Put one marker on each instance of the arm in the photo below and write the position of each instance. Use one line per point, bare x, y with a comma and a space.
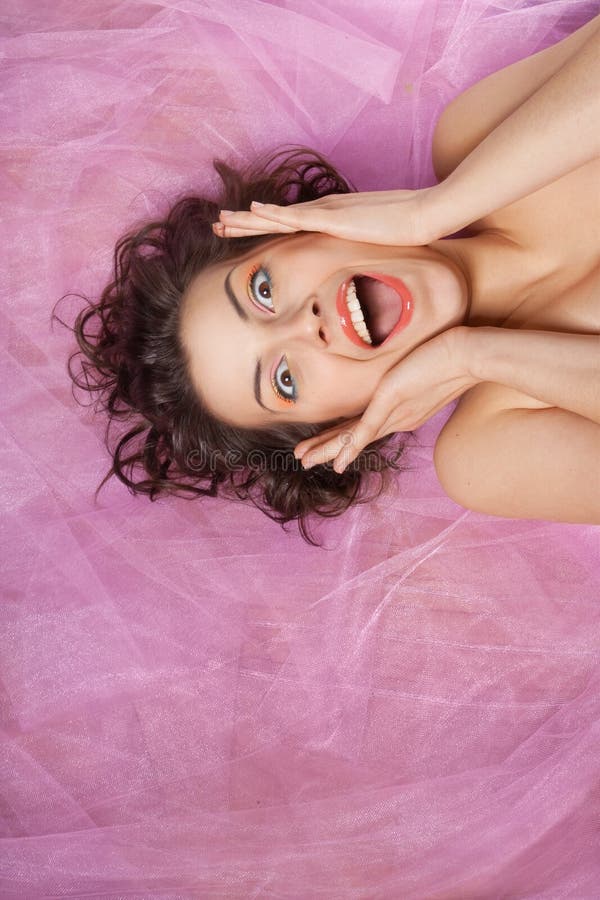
523, 464
527, 460
554, 131
543, 108
561, 370
516, 457
476, 112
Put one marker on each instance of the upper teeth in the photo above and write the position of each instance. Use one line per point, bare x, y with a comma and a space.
356, 313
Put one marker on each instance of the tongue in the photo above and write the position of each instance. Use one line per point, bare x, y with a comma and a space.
380, 304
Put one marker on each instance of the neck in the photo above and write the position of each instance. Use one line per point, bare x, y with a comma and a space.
494, 278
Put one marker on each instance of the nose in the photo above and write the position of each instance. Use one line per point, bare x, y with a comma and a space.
316, 324
305, 324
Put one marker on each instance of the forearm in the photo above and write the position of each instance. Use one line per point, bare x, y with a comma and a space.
553, 132
560, 369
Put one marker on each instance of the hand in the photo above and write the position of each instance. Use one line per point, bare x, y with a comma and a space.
399, 218
411, 392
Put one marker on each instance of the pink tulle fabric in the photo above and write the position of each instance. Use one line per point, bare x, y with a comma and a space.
195, 703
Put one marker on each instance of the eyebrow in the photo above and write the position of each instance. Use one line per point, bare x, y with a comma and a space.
241, 312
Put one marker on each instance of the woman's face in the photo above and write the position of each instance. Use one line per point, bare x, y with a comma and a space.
270, 338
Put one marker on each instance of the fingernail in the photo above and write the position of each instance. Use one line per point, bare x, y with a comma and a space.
256, 203
217, 228
226, 212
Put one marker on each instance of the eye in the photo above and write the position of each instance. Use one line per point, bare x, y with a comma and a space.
260, 288
283, 382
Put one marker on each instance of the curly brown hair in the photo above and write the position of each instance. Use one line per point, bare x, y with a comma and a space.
134, 366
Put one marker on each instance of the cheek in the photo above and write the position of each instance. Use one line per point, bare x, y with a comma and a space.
345, 390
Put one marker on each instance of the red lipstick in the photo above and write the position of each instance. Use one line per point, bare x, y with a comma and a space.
406, 308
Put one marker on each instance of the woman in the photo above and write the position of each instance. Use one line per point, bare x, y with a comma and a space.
250, 348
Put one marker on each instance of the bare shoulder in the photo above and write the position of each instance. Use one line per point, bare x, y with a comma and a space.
520, 459
475, 113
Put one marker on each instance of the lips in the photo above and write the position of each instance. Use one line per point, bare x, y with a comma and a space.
373, 307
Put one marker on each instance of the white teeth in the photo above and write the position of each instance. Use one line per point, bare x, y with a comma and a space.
356, 313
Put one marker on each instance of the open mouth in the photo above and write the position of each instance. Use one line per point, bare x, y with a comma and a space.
372, 308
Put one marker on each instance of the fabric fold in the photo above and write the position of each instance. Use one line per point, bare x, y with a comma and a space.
194, 702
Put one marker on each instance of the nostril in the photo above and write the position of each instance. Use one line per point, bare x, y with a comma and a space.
322, 334
315, 309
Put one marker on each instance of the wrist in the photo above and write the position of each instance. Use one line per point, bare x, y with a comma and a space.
433, 215
469, 352
440, 207
486, 347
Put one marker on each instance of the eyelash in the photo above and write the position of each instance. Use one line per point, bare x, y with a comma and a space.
251, 292
286, 399
254, 298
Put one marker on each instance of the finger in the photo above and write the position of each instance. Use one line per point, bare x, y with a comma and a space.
302, 447
241, 218
332, 221
327, 450
321, 454
298, 216
228, 231
352, 449
305, 446
370, 427
345, 457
